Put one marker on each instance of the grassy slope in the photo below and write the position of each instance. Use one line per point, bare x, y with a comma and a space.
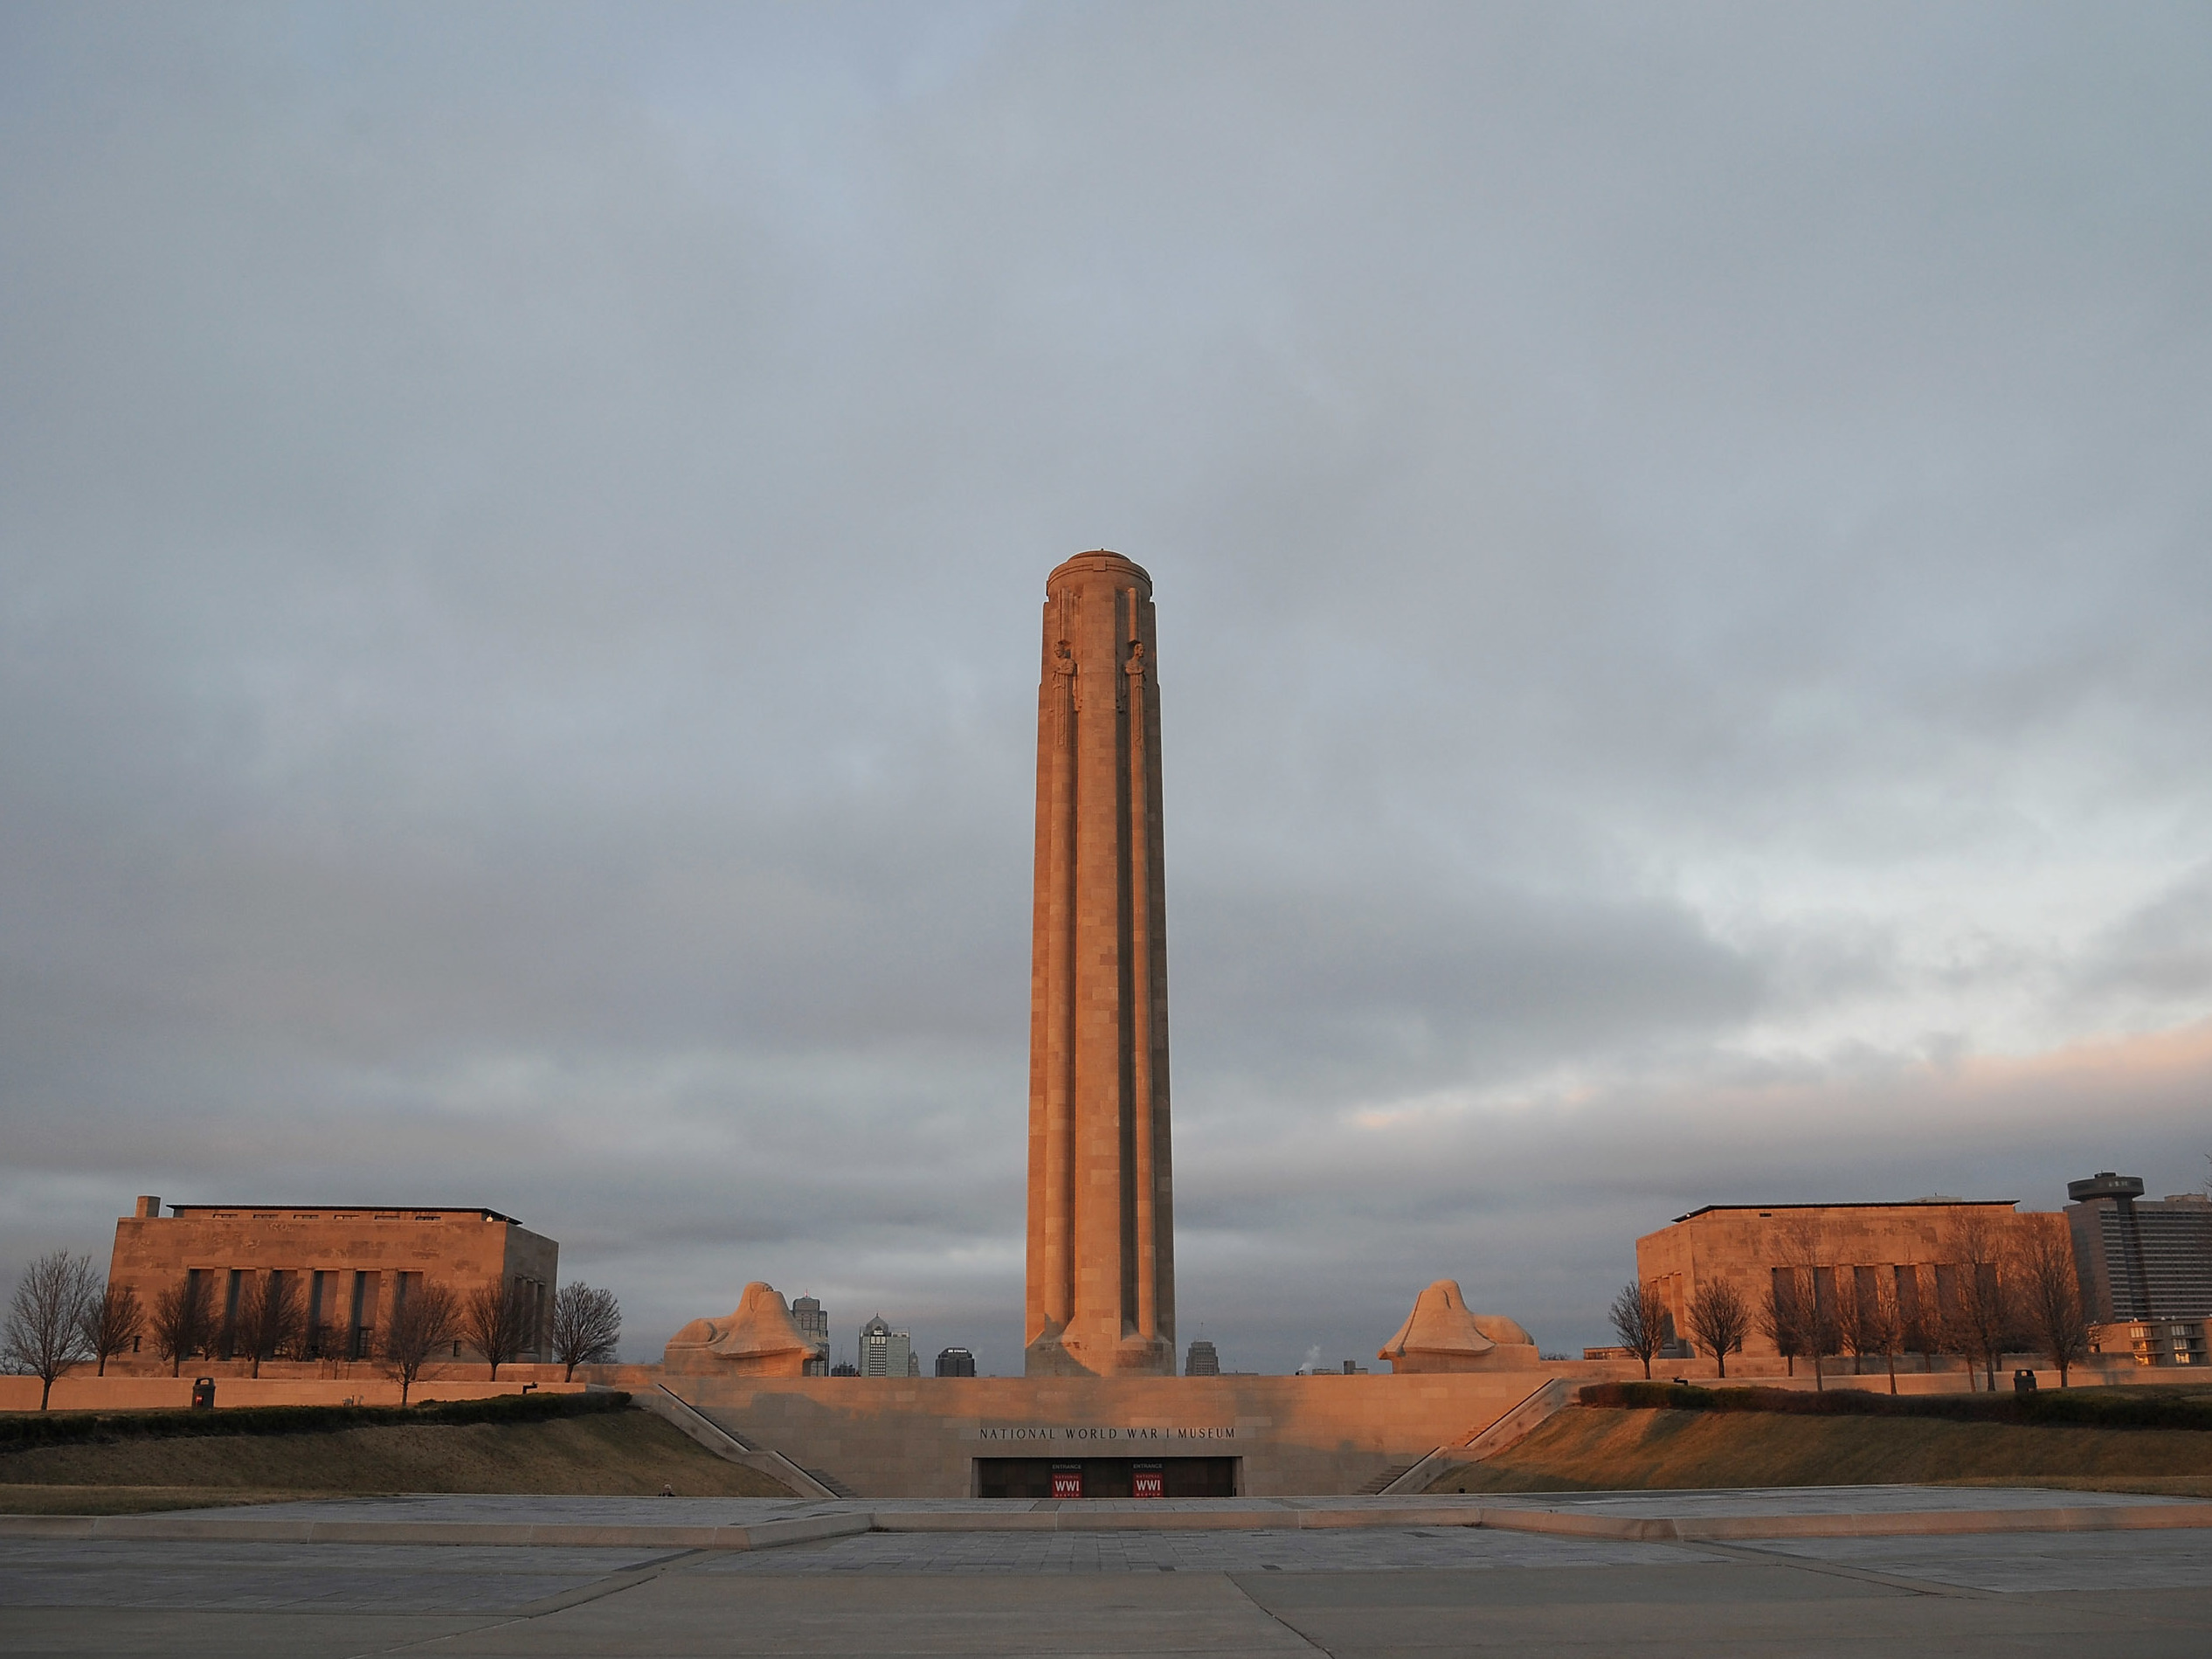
1586, 1450
618, 1452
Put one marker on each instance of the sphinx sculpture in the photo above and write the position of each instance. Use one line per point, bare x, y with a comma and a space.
758, 1339
1442, 1334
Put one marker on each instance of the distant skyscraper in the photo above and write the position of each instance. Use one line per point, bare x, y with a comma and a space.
813, 1325
1203, 1361
955, 1362
2138, 1258
885, 1352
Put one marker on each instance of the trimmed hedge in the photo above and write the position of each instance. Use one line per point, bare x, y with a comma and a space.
21, 1430
2067, 1407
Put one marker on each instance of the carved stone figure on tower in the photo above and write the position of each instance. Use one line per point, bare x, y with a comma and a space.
1102, 1231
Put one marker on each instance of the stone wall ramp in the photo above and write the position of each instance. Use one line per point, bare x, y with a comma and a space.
1511, 1429
672, 1408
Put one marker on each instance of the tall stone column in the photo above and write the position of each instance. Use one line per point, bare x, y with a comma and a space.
1102, 1224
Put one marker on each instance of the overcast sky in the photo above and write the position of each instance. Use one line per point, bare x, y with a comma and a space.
1683, 538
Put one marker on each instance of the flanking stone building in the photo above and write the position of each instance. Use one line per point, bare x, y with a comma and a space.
1924, 1250
349, 1265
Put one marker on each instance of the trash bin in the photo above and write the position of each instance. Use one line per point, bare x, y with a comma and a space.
2024, 1382
203, 1393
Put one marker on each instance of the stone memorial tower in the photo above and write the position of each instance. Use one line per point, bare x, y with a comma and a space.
1102, 1224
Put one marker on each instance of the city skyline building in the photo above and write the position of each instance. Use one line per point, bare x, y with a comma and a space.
2138, 1258
955, 1362
808, 1314
885, 1352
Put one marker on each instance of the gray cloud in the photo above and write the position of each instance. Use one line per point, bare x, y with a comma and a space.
1681, 552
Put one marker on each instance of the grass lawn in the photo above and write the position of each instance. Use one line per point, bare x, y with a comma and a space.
615, 1453
1590, 1448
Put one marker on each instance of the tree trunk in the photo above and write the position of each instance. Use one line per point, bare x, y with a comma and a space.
1893, 1373
46, 1391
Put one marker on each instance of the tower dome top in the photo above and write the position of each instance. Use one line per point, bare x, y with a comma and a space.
1099, 561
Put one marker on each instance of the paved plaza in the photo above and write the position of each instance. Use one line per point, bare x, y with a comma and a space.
1359, 1591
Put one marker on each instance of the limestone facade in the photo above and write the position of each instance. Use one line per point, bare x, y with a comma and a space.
760, 1338
1442, 1334
930, 1436
1920, 1248
1100, 1276
349, 1263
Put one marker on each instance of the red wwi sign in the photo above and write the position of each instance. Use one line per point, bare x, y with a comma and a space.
1067, 1482
1147, 1482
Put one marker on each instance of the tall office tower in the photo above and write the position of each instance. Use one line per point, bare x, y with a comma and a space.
2141, 1259
955, 1362
813, 1325
885, 1352
1202, 1360
1102, 1229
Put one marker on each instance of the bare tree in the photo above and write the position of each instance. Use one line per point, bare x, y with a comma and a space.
496, 1322
2050, 1296
115, 1320
1638, 1317
1777, 1317
426, 1320
587, 1326
1866, 1313
1817, 1332
184, 1320
1984, 1312
1919, 1324
270, 1318
45, 1331
1846, 1315
1718, 1320
1872, 1325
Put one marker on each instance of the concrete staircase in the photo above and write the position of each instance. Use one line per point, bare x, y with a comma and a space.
1510, 1430
1384, 1481
680, 1414
832, 1483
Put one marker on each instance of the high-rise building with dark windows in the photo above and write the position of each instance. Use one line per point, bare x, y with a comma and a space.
813, 1320
955, 1362
885, 1352
2141, 1259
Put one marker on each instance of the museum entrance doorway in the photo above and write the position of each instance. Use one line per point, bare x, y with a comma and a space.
1107, 1477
